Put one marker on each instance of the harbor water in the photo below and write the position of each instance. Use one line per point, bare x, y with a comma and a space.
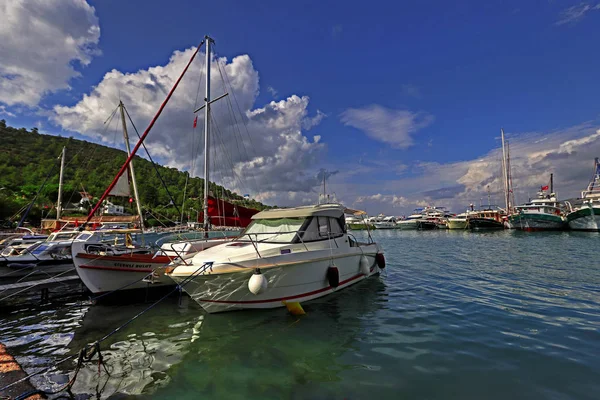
456, 315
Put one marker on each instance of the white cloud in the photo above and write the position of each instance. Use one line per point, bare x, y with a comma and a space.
395, 127
273, 91
310, 122
575, 13
268, 160
4, 111
568, 153
41, 42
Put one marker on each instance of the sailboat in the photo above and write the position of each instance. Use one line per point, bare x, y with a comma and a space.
105, 266
586, 217
284, 255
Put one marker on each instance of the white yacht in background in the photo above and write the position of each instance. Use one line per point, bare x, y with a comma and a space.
296, 254
412, 221
386, 223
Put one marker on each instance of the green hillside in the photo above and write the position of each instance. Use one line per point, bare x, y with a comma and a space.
28, 157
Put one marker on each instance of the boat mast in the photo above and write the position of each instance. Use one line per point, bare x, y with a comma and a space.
135, 189
60, 184
511, 193
208, 40
505, 172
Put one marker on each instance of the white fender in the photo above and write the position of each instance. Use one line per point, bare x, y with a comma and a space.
257, 283
364, 266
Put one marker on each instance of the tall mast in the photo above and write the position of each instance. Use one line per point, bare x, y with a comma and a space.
505, 172
511, 192
135, 189
208, 42
60, 184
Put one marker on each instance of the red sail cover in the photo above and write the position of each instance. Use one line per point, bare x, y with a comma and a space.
223, 213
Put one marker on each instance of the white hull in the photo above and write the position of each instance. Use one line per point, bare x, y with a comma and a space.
408, 224
385, 225
291, 280
102, 274
586, 223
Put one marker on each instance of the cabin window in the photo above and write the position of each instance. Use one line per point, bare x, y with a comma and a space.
279, 230
336, 228
321, 228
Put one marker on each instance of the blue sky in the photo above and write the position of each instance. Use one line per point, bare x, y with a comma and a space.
406, 98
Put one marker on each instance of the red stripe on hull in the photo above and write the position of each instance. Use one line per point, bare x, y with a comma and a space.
281, 298
143, 258
117, 268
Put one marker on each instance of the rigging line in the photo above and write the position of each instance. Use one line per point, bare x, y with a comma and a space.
231, 165
184, 282
152, 161
90, 157
222, 73
238, 105
37, 194
192, 147
139, 143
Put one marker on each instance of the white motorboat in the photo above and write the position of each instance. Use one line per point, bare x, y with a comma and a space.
386, 223
412, 221
46, 258
295, 254
15, 245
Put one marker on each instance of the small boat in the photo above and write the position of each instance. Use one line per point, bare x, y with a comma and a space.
488, 219
43, 258
15, 245
284, 255
542, 214
460, 221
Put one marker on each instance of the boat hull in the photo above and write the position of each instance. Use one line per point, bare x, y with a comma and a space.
107, 273
26, 270
537, 222
426, 225
408, 224
295, 281
585, 219
484, 224
457, 224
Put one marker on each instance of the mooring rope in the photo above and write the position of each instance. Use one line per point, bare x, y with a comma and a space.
97, 343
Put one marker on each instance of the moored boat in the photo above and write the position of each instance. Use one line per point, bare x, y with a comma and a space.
487, 219
295, 254
542, 214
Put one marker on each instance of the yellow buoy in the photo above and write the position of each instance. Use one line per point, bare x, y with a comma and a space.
294, 307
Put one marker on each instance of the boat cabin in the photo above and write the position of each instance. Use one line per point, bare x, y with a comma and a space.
297, 225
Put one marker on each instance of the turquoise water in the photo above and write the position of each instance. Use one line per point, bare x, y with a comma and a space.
457, 315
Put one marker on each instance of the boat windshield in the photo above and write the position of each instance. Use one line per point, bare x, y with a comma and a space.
39, 249
280, 230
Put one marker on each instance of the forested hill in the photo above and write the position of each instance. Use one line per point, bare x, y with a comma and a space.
27, 158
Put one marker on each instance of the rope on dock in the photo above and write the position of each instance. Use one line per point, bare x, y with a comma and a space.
95, 347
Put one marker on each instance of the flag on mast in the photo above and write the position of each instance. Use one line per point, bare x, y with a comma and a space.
195, 121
